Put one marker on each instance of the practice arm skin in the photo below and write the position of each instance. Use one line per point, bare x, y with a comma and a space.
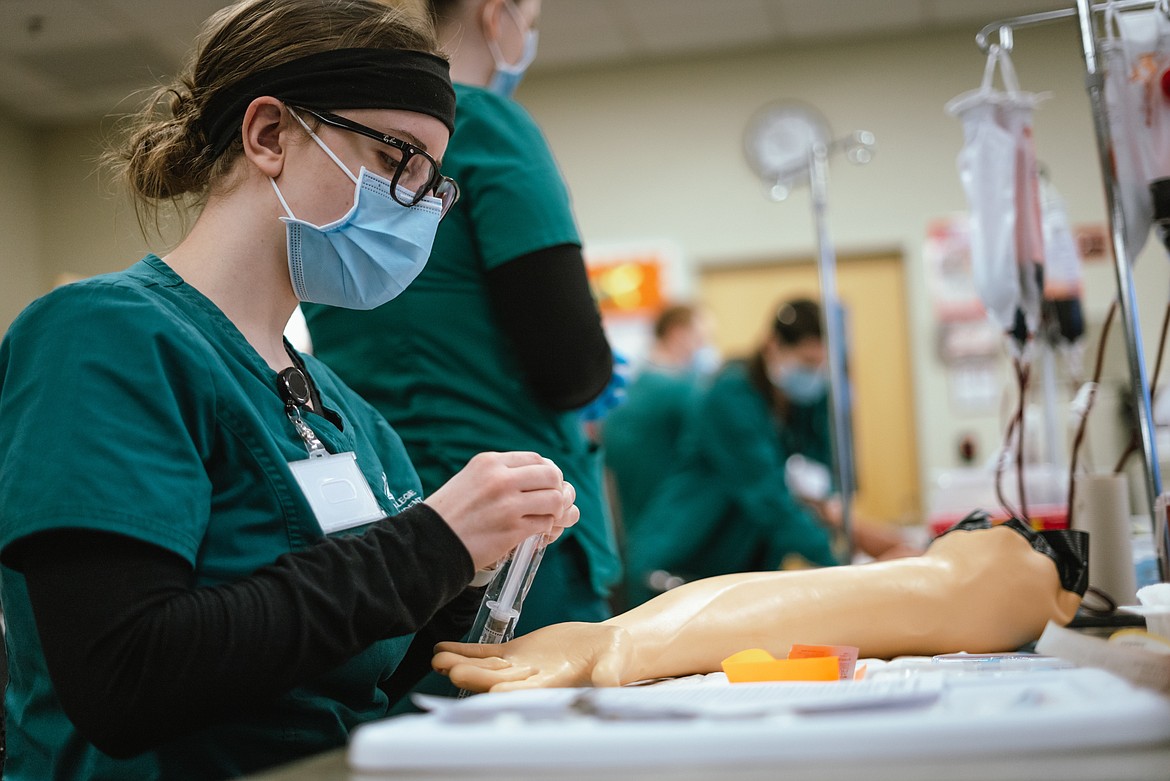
982, 590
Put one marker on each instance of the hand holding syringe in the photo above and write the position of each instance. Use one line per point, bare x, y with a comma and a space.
500, 609
501, 605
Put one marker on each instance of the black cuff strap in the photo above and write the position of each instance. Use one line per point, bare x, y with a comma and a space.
1068, 548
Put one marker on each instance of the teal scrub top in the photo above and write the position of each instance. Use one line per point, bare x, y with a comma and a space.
641, 436
129, 403
726, 507
433, 360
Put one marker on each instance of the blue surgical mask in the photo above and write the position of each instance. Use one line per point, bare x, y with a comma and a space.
706, 360
506, 77
367, 257
801, 385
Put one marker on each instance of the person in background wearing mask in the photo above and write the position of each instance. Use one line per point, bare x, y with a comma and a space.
187, 595
728, 505
640, 438
499, 343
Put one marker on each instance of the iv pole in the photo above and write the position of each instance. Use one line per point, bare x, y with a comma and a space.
1095, 80
840, 401
858, 148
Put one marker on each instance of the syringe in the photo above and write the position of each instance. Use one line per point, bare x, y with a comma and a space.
500, 609
501, 605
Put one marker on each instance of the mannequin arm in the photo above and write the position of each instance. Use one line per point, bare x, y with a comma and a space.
979, 591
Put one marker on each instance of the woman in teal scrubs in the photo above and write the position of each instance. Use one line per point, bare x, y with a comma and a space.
499, 343
726, 507
641, 436
216, 557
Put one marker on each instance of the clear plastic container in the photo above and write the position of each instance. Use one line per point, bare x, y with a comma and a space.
957, 492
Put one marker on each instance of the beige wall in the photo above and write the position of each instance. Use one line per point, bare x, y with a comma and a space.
654, 153
101, 232
21, 258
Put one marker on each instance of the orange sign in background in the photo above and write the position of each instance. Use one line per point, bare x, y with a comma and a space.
627, 286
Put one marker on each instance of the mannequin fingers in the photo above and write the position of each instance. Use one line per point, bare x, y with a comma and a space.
482, 651
530, 681
475, 678
446, 658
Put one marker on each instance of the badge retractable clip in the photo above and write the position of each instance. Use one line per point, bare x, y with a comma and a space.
294, 390
338, 493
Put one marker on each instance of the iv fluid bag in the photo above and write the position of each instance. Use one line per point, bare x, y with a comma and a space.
1145, 43
986, 166
1126, 134
998, 170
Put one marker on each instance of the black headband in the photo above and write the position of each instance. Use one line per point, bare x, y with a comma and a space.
338, 79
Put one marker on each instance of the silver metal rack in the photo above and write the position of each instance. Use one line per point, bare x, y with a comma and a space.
1085, 12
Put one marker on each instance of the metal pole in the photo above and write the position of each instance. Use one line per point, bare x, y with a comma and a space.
1094, 82
983, 37
839, 397
1053, 444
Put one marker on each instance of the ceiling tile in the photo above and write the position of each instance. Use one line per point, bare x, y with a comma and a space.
582, 31
88, 67
34, 25
827, 18
15, 77
81, 56
668, 26
171, 32
986, 11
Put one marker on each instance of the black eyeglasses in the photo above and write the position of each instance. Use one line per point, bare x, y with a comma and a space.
415, 172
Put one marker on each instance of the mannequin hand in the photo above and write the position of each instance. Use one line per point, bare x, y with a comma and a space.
499, 499
570, 654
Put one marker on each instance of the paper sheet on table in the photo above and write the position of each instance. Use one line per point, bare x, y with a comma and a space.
696, 700
980, 713
1139, 667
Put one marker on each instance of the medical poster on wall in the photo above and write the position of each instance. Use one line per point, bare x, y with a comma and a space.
968, 342
947, 257
632, 283
627, 287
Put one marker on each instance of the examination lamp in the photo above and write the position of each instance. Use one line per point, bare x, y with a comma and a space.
782, 137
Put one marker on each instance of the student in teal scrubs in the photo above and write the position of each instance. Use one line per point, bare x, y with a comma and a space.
216, 557
499, 343
641, 436
726, 507
732, 502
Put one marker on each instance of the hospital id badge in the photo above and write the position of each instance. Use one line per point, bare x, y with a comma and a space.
338, 493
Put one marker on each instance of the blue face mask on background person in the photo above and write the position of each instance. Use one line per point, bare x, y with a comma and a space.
367, 257
706, 360
801, 385
506, 78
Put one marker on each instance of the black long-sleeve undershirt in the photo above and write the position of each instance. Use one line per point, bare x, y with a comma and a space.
127, 635
542, 302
